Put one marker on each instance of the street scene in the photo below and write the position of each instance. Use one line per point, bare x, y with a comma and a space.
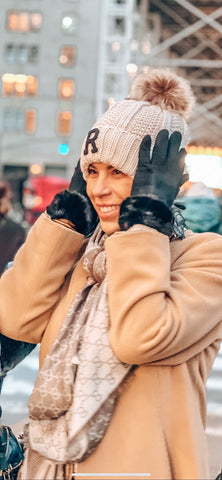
111, 238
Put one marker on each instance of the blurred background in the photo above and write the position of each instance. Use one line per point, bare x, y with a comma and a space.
62, 63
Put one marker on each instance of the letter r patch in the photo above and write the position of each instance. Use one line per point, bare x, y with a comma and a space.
91, 139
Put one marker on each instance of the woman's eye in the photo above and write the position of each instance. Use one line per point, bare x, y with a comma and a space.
117, 172
91, 171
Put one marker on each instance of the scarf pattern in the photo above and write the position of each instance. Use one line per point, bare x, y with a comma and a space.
77, 387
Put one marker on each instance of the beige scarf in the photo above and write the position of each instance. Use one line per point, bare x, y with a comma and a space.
77, 387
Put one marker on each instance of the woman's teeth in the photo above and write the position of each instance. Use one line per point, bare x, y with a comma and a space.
107, 209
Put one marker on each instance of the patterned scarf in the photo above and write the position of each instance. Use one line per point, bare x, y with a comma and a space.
77, 387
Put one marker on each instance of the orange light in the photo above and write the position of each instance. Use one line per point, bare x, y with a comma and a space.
111, 101
23, 20
20, 88
67, 91
66, 88
200, 150
66, 115
131, 68
64, 120
63, 59
8, 77
13, 21
38, 201
35, 169
30, 121
36, 20
32, 85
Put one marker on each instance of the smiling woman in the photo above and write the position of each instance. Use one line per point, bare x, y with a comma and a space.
107, 187
125, 302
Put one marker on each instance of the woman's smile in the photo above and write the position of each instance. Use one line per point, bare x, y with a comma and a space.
107, 210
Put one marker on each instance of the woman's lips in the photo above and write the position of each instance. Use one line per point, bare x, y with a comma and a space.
106, 211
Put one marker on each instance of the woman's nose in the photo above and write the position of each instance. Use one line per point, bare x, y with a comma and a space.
101, 186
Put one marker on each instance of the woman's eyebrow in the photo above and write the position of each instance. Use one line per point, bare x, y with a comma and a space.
111, 167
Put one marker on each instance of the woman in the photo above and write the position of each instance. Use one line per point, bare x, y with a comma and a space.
127, 312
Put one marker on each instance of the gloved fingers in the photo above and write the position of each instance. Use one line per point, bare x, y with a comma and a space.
144, 152
174, 153
160, 148
181, 160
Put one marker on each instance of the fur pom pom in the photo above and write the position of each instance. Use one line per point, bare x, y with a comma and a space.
166, 89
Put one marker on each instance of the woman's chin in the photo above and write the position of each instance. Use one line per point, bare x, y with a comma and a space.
109, 227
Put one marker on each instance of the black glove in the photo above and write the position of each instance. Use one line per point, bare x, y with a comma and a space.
74, 205
156, 184
160, 175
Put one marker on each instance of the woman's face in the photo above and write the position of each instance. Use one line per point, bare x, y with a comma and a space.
107, 187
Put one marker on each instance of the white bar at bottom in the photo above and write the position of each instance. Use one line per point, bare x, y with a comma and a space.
111, 475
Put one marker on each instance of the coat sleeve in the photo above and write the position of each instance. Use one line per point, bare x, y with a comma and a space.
29, 290
162, 309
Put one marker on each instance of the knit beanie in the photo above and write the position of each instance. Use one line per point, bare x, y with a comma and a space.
159, 99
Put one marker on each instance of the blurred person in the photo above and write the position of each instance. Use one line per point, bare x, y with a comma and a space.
12, 353
12, 234
124, 301
202, 211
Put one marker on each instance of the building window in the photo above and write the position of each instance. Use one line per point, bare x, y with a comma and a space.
18, 120
64, 123
23, 22
115, 51
66, 89
120, 25
33, 55
21, 54
10, 53
19, 85
67, 56
30, 121
35, 20
116, 26
69, 23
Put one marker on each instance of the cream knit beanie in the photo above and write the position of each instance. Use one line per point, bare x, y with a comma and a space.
159, 99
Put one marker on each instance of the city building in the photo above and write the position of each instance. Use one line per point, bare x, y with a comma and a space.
63, 62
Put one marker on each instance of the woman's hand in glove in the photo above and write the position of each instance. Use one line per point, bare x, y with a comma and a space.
160, 175
74, 205
156, 184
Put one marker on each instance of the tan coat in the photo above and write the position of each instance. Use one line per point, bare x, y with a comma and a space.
165, 318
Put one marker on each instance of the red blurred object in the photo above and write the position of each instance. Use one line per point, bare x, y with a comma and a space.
38, 192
